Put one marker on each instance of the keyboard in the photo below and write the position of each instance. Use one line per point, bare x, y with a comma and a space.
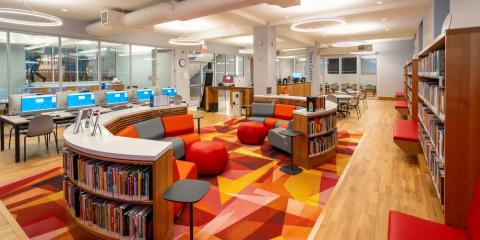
121, 107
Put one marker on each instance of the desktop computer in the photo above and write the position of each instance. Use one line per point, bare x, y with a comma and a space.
79, 100
143, 95
116, 98
227, 80
38, 103
171, 92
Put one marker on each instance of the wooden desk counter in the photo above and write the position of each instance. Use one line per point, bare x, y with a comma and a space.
211, 95
295, 89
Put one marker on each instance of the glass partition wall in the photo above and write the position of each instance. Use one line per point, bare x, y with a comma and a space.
344, 73
35, 63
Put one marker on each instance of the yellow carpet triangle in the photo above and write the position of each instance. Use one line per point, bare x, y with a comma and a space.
228, 187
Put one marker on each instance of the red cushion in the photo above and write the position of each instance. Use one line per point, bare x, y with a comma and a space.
178, 125
189, 139
211, 157
284, 111
406, 130
473, 220
405, 227
399, 94
401, 104
182, 170
251, 133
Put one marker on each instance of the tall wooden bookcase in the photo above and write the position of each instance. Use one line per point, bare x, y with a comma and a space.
461, 117
411, 87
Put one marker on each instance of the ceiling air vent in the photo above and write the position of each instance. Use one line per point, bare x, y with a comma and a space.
110, 17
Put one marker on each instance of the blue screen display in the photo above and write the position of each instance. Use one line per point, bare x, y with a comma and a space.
117, 97
144, 94
38, 103
76, 100
297, 75
169, 92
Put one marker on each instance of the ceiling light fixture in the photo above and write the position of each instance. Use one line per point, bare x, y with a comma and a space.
387, 29
64, 10
305, 24
349, 44
36, 46
379, 2
186, 41
245, 51
50, 21
384, 19
363, 52
292, 49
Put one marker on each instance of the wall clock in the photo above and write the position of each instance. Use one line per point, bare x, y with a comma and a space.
182, 62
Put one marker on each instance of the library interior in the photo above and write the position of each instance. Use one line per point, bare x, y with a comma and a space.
239, 119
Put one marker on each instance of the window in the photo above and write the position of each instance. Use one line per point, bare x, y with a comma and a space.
239, 66
79, 61
143, 66
164, 67
369, 65
115, 63
3, 66
219, 67
349, 65
333, 66
230, 61
34, 63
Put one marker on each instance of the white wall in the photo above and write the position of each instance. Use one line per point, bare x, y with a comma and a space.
392, 56
465, 13
428, 24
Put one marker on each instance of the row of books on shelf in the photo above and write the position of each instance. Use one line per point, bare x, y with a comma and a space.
433, 95
321, 125
409, 81
435, 165
434, 128
320, 144
123, 181
432, 65
114, 219
409, 69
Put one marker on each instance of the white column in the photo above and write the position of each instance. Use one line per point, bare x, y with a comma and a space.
264, 47
182, 78
312, 70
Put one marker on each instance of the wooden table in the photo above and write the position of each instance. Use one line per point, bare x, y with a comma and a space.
211, 95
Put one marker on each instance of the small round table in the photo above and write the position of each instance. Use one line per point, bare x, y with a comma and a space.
187, 191
291, 169
198, 117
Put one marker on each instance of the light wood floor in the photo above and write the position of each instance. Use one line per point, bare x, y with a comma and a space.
379, 178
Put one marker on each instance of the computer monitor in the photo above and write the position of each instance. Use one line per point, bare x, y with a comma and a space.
79, 100
38, 103
296, 75
116, 97
144, 95
227, 79
171, 92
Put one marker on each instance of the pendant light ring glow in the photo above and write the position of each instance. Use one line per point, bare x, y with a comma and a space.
297, 25
51, 21
186, 41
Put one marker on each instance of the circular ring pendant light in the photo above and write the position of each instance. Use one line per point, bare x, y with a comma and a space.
349, 44
186, 41
50, 21
310, 24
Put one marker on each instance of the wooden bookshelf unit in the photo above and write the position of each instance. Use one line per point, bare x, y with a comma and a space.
305, 154
449, 72
411, 87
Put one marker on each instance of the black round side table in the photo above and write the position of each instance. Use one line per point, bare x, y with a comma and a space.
187, 191
291, 169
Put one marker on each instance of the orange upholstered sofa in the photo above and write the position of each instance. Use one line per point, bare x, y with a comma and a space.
272, 115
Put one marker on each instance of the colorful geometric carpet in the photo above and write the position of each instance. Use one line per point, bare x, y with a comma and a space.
251, 199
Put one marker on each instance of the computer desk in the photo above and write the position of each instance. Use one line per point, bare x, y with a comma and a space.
18, 121
211, 95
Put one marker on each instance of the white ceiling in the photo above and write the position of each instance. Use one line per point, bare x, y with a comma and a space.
366, 19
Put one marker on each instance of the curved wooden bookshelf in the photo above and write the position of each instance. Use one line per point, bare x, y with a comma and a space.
91, 230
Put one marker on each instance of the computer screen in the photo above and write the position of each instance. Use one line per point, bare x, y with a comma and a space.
77, 100
38, 103
169, 92
296, 75
116, 97
227, 79
144, 94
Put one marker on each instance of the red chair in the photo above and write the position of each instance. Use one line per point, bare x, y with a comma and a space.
406, 227
405, 135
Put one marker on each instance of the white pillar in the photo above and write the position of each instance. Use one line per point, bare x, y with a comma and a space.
182, 78
312, 70
264, 47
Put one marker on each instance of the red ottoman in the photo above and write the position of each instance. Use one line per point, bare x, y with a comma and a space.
251, 133
210, 157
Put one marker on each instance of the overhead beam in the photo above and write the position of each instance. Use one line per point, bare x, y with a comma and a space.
347, 12
245, 17
298, 37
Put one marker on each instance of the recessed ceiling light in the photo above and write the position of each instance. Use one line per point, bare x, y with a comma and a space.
50, 21
186, 41
64, 10
305, 25
363, 52
379, 2
292, 49
387, 29
384, 19
287, 17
